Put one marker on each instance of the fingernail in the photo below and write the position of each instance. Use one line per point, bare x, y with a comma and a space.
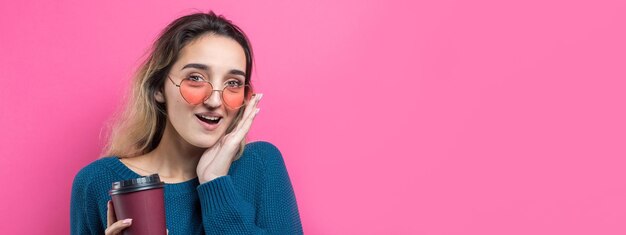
127, 221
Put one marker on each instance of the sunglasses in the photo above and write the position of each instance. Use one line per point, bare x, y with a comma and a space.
195, 90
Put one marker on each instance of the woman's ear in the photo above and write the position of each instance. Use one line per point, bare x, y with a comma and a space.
158, 95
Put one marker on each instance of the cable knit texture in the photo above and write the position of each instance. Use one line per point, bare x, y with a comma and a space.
256, 197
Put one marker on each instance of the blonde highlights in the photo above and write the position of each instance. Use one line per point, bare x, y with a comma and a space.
139, 128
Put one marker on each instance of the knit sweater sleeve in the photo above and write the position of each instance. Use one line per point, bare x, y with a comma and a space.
224, 211
84, 218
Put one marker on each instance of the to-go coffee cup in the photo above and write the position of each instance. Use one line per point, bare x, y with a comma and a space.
140, 199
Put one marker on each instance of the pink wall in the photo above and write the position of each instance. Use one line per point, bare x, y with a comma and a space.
429, 117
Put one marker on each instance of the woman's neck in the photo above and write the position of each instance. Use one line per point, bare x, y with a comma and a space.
174, 159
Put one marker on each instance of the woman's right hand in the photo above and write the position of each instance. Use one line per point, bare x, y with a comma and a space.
115, 226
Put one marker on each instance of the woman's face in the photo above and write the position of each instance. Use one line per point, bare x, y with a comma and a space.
214, 58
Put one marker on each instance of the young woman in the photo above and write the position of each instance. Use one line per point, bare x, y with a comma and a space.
191, 106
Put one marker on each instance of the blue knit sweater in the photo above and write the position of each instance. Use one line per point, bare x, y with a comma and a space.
256, 197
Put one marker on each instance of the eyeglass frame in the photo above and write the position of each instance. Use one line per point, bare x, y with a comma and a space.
210, 94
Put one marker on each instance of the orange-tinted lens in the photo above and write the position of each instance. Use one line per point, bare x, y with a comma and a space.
234, 97
195, 92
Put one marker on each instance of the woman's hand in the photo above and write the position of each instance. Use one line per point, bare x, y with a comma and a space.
216, 160
118, 226
115, 226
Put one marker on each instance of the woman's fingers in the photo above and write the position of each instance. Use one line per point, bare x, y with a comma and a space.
117, 227
110, 214
114, 227
250, 108
247, 123
244, 124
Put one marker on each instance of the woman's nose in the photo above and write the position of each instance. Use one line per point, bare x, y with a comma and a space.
214, 100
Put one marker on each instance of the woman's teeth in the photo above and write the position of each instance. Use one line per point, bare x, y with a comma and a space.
209, 119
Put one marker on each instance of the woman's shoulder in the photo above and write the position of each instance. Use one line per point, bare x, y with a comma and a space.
262, 146
96, 173
263, 152
96, 167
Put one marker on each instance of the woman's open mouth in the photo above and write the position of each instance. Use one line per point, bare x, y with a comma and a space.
209, 121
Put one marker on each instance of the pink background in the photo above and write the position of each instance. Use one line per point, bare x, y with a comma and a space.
394, 117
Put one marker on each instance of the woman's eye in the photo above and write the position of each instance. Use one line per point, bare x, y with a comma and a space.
234, 83
195, 78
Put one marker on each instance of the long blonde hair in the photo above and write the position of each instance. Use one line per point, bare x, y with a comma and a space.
139, 128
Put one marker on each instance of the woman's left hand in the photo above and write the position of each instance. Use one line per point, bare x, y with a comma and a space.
216, 160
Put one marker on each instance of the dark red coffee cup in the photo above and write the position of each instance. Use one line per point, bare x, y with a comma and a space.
140, 199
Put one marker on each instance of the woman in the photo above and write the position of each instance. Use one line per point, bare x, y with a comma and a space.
191, 106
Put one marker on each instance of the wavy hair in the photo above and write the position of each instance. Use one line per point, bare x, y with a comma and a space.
139, 127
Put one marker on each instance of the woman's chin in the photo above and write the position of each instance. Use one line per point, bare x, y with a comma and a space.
203, 142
